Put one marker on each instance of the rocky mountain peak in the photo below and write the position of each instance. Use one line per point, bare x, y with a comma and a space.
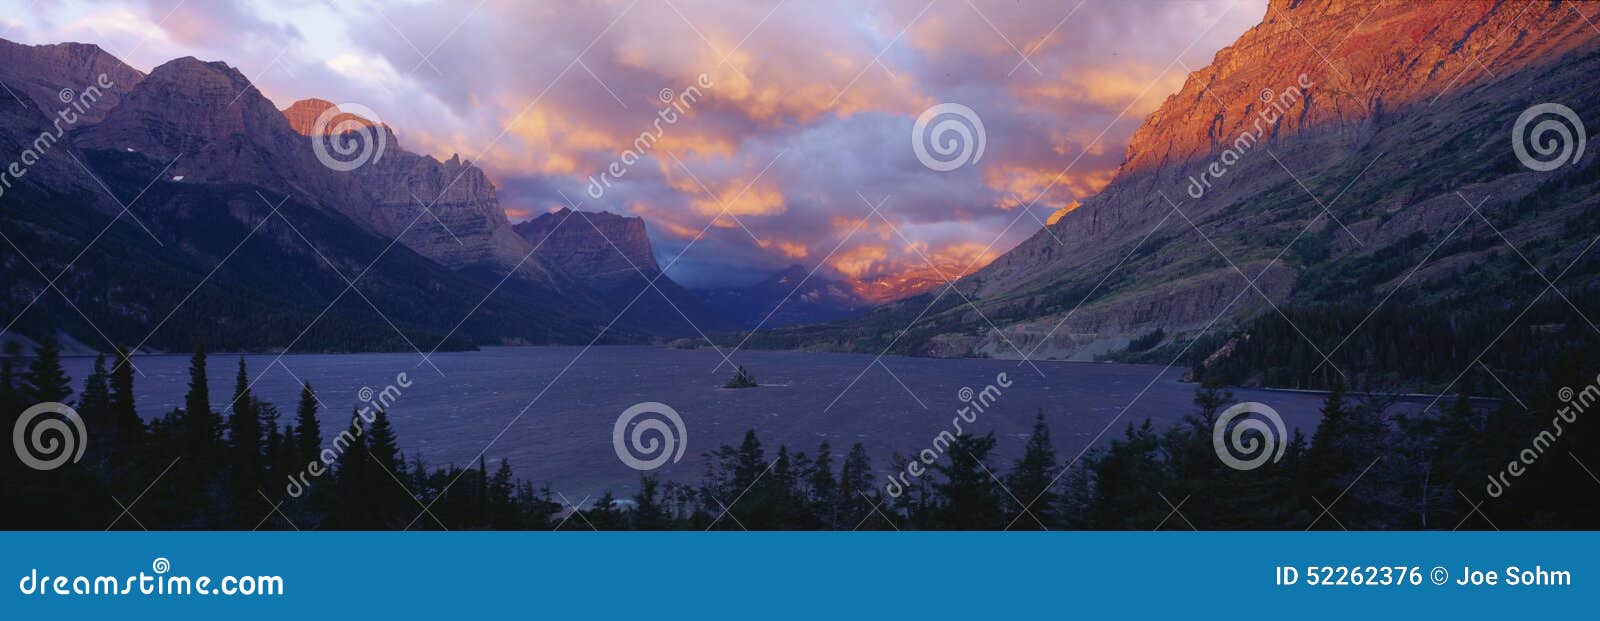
1347, 127
591, 244
46, 73
207, 111
303, 115
1341, 66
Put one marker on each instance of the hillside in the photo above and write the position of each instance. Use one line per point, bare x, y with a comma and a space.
1368, 128
183, 206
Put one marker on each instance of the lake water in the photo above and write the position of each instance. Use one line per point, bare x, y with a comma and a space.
551, 410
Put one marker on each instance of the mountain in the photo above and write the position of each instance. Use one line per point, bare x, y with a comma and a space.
611, 255
227, 132
49, 74
1339, 161
446, 211
797, 298
236, 234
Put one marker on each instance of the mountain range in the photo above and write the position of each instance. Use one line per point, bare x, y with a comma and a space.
1335, 197
183, 205
1337, 185
792, 296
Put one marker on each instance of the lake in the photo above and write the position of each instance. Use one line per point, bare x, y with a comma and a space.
551, 410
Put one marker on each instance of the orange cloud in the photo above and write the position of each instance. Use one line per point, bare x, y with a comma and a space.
1021, 184
859, 261
880, 273
1142, 86
792, 250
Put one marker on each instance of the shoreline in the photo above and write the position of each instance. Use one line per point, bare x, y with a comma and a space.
1307, 391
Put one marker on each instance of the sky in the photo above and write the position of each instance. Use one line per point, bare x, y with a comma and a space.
792, 123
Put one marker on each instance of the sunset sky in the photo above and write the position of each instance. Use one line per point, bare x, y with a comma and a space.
811, 107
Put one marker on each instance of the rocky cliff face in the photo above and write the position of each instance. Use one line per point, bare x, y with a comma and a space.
54, 76
215, 127
304, 115
210, 123
599, 248
446, 211
1316, 144
611, 255
237, 200
1314, 95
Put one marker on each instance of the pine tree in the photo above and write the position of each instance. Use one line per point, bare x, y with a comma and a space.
824, 489
855, 487
244, 445
1129, 479
752, 462
1327, 457
10, 408
354, 480
393, 498
129, 428
648, 513
46, 381
784, 509
9, 396
198, 425
481, 512
747, 499
1031, 478
970, 494
273, 442
1076, 503
308, 433
503, 513
383, 444
604, 514
95, 409
1461, 457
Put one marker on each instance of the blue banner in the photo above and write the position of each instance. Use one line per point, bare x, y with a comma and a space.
796, 575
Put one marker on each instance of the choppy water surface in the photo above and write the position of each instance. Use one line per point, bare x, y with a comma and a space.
551, 411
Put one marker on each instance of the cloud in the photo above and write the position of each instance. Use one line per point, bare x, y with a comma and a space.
804, 127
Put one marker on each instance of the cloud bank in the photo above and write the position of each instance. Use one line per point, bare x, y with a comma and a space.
798, 151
